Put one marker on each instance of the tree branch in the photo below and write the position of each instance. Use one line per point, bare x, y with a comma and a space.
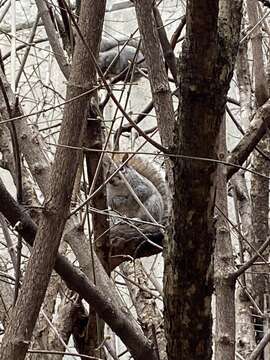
53, 38
19, 331
162, 97
253, 135
119, 321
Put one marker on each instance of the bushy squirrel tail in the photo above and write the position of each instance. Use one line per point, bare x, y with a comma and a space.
152, 173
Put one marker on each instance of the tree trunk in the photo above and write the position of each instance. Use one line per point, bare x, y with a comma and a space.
224, 267
18, 334
189, 248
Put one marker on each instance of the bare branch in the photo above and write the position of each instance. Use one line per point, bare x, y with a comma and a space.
166, 46
113, 314
253, 135
261, 90
53, 219
161, 93
258, 350
53, 38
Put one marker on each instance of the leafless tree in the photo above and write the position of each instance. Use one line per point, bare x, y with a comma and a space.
60, 262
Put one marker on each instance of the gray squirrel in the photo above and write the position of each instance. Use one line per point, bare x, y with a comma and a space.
117, 57
146, 182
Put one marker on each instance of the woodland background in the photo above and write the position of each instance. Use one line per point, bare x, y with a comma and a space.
198, 106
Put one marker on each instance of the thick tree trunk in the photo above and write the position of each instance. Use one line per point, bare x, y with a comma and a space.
188, 254
189, 249
93, 139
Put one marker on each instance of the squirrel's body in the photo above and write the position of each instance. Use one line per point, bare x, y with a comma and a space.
147, 183
116, 55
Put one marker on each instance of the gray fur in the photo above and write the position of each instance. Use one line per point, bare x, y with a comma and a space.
121, 199
126, 56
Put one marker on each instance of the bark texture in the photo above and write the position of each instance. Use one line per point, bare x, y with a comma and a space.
160, 89
259, 191
206, 67
93, 139
224, 267
18, 334
245, 337
188, 273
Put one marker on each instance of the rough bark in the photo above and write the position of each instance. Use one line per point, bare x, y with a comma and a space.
18, 334
188, 283
245, 337
259, 191
206, 69
244, 85
53, 38
30, 142
223, 269
160, 89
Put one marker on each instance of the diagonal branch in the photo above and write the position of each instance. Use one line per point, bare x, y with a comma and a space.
53, 38
162, 97
253, 135
19, 331
259, 348
101, 298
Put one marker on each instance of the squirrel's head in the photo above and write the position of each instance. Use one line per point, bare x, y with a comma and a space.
110, 166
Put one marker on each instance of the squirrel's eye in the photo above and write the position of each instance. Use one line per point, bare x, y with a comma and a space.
123, 170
